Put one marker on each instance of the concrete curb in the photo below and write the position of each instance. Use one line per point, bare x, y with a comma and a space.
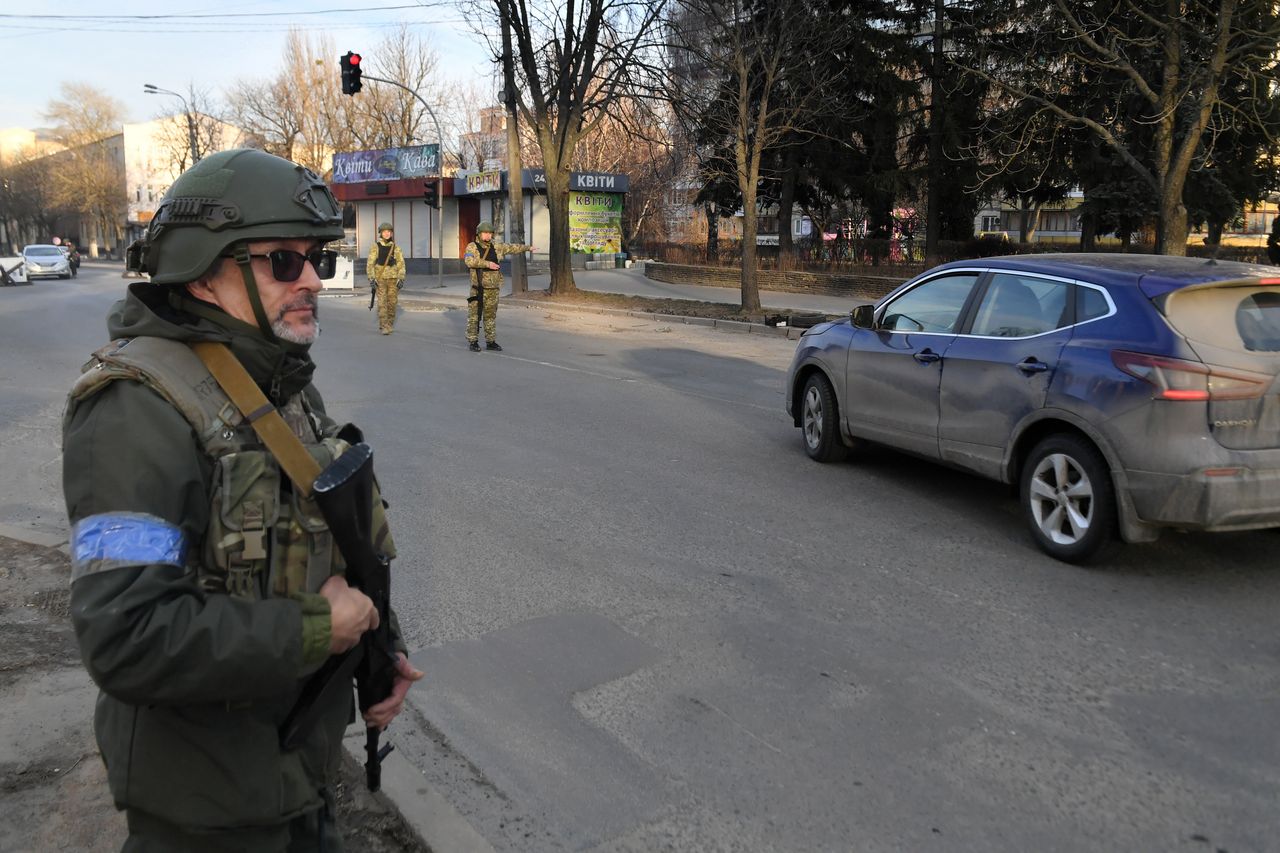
736, 326
429, 815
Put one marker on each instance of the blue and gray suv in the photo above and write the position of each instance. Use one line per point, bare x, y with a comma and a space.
1122, 393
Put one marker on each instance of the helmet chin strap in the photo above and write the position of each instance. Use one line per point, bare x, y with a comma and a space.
242, 259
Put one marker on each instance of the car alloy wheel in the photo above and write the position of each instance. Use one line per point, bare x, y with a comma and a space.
819, 421
1068, 497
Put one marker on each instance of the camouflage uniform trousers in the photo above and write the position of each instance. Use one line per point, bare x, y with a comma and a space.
388, 296
490, 313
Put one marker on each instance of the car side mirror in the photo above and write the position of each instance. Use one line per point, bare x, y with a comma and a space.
863, 317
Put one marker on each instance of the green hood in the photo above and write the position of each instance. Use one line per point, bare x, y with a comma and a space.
281, 369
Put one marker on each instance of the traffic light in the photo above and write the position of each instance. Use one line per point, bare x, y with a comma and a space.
350, 63
431, 193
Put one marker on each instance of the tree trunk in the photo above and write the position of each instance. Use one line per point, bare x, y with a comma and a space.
1171, 239
750, 225
786, 205
1088, 234
558, 211
713, 234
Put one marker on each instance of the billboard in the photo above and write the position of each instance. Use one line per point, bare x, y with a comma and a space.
386, 164
595, 222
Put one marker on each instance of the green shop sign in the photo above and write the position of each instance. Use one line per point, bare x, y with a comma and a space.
595, 222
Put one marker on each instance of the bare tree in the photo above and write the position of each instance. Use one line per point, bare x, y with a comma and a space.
388, 116
202, 123
26, 197
574, 60
301, 113
1155, 74
758, 59
88, 176
636, 140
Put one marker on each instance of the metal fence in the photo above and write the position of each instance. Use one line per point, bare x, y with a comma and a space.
904, 256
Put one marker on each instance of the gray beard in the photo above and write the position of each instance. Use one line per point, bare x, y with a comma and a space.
286, 332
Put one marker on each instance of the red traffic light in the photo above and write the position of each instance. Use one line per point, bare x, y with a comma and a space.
355, 59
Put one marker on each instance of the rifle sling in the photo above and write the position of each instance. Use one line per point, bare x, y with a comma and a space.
284, 445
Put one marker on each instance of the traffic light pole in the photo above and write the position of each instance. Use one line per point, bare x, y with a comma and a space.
439, 169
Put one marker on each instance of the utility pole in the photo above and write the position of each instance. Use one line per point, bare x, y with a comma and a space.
515, 173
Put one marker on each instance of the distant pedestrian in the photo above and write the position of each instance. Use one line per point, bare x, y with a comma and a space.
73, 255
386, 272
483, 257
1273, 242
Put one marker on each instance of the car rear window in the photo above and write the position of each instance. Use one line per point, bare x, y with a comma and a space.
1231, 315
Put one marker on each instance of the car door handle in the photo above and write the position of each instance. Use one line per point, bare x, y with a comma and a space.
1032, 365
927, 356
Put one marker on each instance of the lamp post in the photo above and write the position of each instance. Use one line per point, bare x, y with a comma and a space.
152, 89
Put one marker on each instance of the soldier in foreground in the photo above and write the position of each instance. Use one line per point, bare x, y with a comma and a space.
206, 585
483, 257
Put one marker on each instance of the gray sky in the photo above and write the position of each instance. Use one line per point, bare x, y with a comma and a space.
118, 55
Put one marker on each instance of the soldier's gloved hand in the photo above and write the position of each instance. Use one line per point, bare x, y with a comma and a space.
400, 284
384, 712
351, 613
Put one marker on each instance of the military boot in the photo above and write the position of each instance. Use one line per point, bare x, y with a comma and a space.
474, 346
493, 345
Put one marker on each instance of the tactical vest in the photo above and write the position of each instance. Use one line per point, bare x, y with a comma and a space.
263, 539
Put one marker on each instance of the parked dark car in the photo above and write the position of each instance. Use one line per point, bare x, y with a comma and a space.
1122, 393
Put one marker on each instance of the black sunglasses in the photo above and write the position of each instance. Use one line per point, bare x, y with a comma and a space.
287, 265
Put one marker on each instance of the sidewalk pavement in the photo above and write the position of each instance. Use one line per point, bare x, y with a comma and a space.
454, 289
632, 282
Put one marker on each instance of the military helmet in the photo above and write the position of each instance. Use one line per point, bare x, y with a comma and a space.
232, 197
385, 226
483, 227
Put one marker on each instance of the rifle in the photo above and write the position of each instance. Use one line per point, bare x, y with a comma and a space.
344, 493
477, 295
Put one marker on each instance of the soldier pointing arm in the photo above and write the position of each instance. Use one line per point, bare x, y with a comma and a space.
483, 257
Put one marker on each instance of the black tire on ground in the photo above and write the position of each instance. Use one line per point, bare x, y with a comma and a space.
1068, 499
820, 420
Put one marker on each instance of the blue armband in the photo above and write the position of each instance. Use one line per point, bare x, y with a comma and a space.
118, 539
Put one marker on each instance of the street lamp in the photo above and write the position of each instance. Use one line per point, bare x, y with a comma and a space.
152, 89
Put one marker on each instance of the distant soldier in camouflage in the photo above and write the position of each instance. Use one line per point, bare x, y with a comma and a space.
386, 271
483, 257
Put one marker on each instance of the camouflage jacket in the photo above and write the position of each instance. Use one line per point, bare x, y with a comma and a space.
393, 269
477, 256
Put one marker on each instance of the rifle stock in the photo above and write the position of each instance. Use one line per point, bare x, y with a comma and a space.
344, 493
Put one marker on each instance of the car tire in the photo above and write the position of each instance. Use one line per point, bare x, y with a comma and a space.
1068, 498
820, 420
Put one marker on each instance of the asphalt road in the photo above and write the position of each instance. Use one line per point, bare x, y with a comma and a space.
650, 622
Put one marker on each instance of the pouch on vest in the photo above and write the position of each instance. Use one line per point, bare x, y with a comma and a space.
246, 509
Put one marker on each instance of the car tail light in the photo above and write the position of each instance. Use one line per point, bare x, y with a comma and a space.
1179, 379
